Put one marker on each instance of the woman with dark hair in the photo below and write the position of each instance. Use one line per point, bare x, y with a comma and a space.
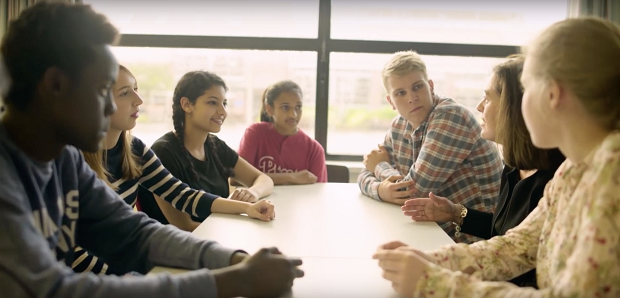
527, 169
126, 164
195, 155
277, 146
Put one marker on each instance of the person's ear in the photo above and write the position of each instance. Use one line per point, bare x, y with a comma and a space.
389, 100
55, 82
432, 86
556, 95
269, 109
186, 105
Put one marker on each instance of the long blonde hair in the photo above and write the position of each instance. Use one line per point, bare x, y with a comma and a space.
131, 167
583, 55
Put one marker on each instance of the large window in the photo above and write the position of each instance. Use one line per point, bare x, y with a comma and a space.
359, 114
210, 17
335, 49
246, 73
475, 22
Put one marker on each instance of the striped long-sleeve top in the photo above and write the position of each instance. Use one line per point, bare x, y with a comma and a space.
445, 155
157, 180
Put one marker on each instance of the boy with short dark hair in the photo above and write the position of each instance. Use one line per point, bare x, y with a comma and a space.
58, 59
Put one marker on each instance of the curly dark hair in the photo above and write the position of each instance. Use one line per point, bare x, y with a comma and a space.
51, 35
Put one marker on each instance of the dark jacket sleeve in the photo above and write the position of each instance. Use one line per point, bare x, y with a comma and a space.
477, 223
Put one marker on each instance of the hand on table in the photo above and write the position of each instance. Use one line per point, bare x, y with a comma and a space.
303, 177
392, 192
244, 195
397, 245
403, 266
268, 273
376, 156
434, 208
262, 210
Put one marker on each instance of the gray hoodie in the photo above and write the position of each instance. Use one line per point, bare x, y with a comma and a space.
46, 209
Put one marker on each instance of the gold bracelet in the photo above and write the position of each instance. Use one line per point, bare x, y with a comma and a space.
460, 222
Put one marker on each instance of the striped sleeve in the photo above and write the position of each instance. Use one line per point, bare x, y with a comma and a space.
449, 140
86, 262
159, 181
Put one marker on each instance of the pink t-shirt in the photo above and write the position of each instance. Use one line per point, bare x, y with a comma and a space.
270, 152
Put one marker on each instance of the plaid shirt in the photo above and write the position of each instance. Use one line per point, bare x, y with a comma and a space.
445, 155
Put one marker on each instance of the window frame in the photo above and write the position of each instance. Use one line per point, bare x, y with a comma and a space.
323, 45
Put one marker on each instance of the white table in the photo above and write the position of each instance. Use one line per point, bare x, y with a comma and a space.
335, 230
332, 277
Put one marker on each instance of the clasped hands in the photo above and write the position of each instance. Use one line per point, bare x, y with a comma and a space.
389, 190
267, 273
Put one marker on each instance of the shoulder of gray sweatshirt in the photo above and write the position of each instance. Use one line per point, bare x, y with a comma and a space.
46, 209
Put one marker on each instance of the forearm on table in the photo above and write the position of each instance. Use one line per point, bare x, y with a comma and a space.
281, 178
58, 283
384, 170
438, 282
170, 247
263, 185
510, 255
369, 184
221, 205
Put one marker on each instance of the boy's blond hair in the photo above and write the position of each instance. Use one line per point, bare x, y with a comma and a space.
402, 63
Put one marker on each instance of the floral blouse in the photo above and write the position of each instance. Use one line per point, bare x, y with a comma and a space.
572, 239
